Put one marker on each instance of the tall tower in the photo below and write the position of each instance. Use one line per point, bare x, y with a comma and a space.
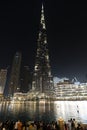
42, 78
14, 85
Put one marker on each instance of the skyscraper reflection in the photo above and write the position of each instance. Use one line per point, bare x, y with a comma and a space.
46, 111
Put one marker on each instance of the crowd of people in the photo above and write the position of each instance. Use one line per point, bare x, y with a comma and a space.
71, 124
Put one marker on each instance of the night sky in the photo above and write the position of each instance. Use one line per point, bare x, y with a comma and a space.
66, 33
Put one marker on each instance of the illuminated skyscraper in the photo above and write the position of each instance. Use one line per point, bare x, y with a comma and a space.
3, 77
14, 84
42, 78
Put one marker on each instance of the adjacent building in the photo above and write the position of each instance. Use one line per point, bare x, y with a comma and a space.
14, 83
3, 77
67, 90
26, 79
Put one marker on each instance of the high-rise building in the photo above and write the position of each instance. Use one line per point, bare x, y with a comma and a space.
42, 77
3, 77
14, 83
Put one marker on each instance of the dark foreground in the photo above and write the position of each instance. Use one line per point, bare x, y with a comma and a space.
71, 124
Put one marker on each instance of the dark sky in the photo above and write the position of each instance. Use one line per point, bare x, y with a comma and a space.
66, 32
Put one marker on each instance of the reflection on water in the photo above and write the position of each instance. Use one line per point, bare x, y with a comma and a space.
44, 110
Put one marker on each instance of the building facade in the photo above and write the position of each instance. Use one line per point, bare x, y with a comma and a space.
26, 79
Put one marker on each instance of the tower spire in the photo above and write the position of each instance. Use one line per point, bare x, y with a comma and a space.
42, 78
42, 21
